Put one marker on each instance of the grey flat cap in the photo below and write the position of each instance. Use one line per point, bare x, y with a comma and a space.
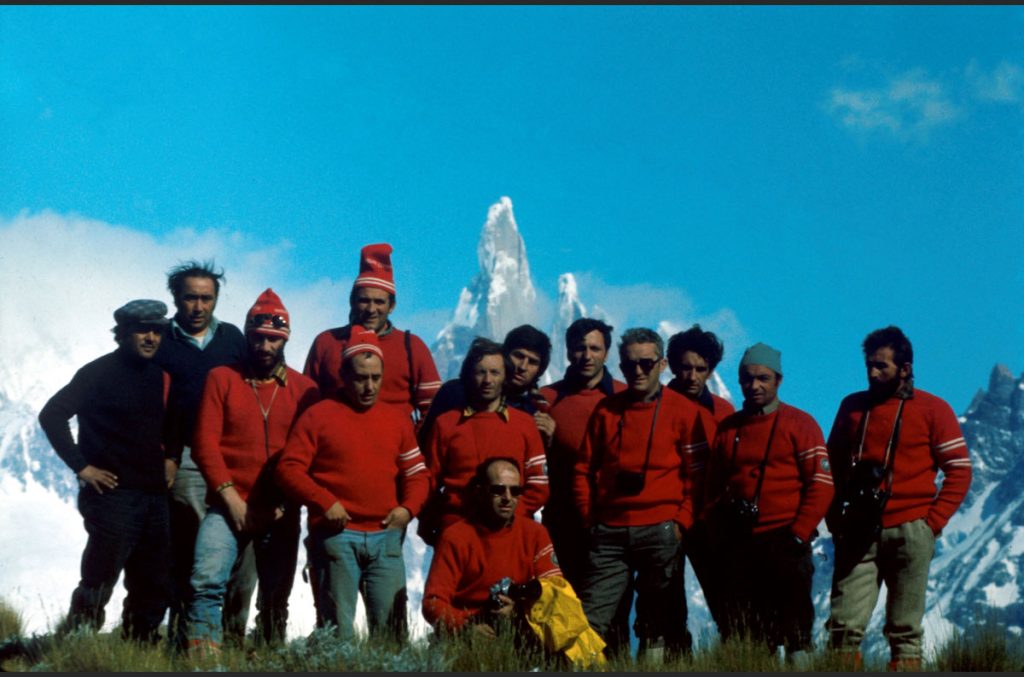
142, 311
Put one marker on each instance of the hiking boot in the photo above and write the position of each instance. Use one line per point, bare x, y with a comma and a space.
905, 665
199, 649
800, 660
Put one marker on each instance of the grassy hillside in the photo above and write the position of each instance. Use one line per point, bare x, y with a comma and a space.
985, 649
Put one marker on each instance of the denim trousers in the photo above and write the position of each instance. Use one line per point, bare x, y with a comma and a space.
649, 558
217, 547
900, 556
188, 507
128, 531
344, 564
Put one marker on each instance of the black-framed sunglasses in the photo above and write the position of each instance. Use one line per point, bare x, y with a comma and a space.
277, 321
500, 489
646, 364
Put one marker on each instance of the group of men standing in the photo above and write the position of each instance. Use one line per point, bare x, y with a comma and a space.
198, 445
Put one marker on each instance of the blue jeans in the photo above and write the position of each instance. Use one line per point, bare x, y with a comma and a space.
217, 548
344, 564
127, 531
188, 507
651, 558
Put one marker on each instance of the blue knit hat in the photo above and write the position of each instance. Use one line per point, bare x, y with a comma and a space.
765, 355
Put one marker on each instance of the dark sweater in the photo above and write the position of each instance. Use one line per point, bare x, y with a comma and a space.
119, 401
188, 366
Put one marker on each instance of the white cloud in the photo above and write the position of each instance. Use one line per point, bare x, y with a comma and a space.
1004, 84
909, 104
63, 276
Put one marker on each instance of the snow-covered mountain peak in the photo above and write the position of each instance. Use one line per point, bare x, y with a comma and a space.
500, 297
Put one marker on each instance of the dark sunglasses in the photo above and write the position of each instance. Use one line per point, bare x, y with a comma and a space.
645, 364
500, 489
263, 318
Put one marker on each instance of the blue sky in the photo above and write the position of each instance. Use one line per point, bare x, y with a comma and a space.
811, 173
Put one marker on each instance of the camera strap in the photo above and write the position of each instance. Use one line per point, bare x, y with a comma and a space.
889, 458
764, 460
650, 435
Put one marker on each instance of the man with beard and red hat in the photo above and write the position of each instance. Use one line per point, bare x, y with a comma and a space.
410, 376
245, 414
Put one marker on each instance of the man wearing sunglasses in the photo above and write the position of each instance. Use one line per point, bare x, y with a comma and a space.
356, 466
768, 487
477, 553
244, 417
195, 343
410, 376
632, 487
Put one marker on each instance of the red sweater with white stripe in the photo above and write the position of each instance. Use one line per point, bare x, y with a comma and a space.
797, 486
929, 439
323, 365
616, 440
231, 443
459, 443
368, 460
470, 558
571, 408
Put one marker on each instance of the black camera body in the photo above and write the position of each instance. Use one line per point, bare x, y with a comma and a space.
742, 515
629, 483
864, 499
529, 591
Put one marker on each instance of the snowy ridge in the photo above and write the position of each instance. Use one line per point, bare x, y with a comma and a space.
500, 296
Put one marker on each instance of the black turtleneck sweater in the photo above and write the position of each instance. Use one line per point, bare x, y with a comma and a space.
119, 401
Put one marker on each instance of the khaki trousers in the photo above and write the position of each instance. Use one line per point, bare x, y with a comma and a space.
900, 557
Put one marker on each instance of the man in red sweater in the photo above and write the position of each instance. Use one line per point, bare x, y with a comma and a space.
632, 489
692, 356
355, 463
475, 554
461, 439
572, 401
886, 446
244, 417
410, 377
768, 486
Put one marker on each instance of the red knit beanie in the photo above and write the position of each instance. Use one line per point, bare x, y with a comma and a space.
375, 268
362, 340
268, 316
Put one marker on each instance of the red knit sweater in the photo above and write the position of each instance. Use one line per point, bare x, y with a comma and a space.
459, 443
323, 365
231, 443
929, 439
797, 486
616, 440
571, 410
470, 558
368, 460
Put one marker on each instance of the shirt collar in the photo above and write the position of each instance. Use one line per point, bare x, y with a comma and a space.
279, 374
763, 411
501, 411
183, 335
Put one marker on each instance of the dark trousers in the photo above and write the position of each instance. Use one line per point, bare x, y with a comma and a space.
706, 561
766, 590
128, 531
649, 558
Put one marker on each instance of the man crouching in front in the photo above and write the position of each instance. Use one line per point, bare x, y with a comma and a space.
475, 554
